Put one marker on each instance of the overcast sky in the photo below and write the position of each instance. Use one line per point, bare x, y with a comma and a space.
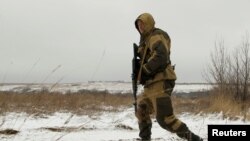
82, 40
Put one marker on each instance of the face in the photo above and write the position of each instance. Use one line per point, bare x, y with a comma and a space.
141, 26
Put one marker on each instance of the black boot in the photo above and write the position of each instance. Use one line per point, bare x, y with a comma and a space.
145, 130
189, 136
195, 137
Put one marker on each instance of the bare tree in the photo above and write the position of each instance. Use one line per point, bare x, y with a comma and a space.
215, 71
245, 68
231, 74
245, 72
235, 75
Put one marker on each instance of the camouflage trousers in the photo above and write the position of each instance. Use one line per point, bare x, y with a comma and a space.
156, 99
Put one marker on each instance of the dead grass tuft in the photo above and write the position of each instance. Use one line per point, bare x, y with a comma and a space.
66, 129
122, 126
9, 132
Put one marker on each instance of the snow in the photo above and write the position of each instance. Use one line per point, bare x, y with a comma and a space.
187, 88
112, 87
103, 127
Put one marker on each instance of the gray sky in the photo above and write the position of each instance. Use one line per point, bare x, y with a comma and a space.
81, 40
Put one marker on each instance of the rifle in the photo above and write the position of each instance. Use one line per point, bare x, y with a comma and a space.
135, 66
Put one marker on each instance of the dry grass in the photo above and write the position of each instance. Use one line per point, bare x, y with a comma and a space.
86, 102
193, 105
212, 103
226, 104
78, 103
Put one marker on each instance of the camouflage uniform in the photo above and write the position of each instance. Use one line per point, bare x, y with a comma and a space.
158, 78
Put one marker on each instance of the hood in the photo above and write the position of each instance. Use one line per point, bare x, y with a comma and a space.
148, 21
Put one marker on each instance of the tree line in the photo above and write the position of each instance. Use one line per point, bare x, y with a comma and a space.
230, 71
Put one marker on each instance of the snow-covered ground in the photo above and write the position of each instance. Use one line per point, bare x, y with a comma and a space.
112, 87
104, 127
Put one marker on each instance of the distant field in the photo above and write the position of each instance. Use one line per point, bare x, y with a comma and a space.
111, 87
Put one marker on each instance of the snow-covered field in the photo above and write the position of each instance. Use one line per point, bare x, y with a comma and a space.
105, 126
112, 87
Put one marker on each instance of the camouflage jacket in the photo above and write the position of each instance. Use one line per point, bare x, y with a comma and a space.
155, 44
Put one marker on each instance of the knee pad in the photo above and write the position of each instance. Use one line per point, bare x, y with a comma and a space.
143, 113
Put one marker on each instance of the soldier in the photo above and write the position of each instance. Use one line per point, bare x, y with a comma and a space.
158, 77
